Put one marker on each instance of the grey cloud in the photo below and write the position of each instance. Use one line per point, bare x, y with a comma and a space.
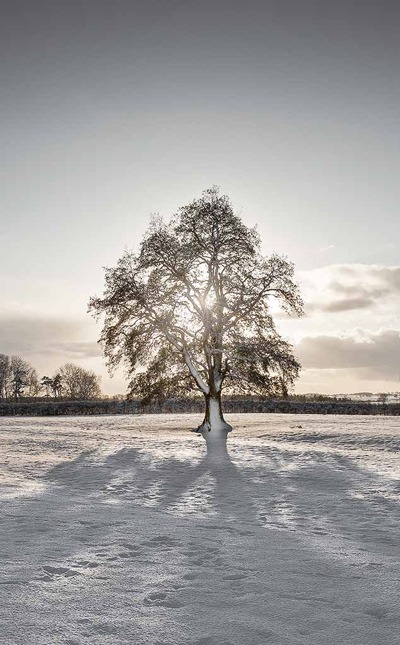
46, 336
353, 287
376, 356
362, 285
347, 304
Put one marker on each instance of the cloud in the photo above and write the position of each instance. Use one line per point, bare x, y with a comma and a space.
75, 349
37, 336
351, 287
372, 356
348, 304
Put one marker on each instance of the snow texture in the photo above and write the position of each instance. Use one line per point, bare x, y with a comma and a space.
121, 530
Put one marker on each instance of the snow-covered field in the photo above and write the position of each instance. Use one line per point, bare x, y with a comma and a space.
120, 530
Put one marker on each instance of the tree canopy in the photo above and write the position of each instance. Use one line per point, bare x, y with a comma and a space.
191, 309
76, 383
17, 378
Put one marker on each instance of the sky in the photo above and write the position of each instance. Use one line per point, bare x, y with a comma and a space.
113, 110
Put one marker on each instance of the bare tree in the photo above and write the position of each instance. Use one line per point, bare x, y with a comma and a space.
20, 372
17, 377
56, 385
79, 383
32, 384
5, 376
191, 311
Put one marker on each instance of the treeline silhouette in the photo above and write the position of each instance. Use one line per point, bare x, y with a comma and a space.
19, 380
317, 404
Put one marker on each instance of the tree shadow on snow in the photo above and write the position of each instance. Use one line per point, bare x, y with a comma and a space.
214, 487
311, 492
291, 491
141, 516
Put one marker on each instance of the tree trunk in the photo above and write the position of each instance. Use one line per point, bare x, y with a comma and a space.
214, 427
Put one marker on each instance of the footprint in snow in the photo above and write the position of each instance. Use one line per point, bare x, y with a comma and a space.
161, 599
376, 610
161, 541
86, 564
52, 573
131, 547
235, 576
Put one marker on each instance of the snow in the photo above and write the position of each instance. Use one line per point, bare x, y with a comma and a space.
195, 373
121, 530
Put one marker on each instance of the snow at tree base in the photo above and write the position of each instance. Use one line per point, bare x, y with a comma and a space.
122, 530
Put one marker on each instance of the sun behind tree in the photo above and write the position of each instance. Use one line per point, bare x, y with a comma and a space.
191, 311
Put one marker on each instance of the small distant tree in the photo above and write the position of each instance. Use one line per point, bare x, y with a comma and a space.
20, 375
79, 383
191, 311
89, 386
46, 384
32, 383
56, 385
5, 376
17, 378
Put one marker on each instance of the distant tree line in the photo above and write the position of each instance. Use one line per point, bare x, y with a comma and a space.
114, 405
315, 404
20, 381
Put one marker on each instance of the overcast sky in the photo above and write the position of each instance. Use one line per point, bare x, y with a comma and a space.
114, 109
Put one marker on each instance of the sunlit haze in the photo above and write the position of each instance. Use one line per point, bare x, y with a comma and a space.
112, 111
